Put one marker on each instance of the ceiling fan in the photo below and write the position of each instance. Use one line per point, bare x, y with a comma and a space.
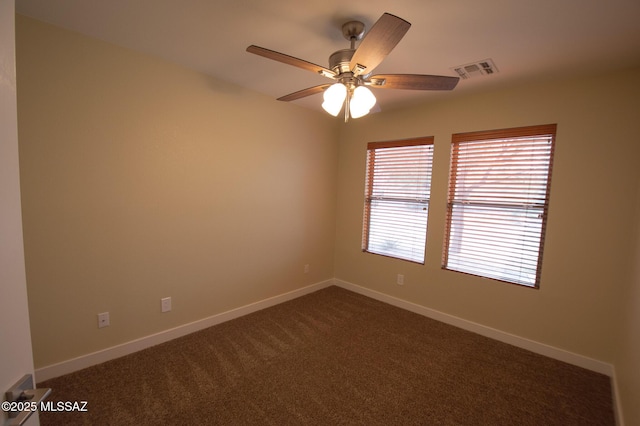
351, 69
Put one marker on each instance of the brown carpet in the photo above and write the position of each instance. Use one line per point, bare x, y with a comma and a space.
334, 358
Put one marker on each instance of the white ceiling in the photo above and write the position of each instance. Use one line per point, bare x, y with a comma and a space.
526, 39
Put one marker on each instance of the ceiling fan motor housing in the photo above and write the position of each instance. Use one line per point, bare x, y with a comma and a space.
340, 61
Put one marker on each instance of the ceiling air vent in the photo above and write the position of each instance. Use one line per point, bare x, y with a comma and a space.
476, 69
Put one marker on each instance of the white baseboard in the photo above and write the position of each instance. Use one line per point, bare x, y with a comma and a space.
617, 404
533, 346
84, 361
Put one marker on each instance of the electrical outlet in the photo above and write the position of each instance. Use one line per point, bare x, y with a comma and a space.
166, 304
400, 279
306, 268
103, 320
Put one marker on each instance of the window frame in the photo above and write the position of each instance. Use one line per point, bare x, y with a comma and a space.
540, 131
372, 148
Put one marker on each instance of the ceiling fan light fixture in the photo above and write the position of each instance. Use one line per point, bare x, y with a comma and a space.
351, 69
361, 102
334, 97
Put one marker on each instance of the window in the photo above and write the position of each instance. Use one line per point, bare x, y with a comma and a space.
398, 185
498, 201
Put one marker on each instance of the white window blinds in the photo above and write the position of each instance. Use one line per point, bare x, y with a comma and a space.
498, 201
397, 191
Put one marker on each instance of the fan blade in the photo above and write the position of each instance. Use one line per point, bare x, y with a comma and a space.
413, 82
290, 60
385, 34
304, 93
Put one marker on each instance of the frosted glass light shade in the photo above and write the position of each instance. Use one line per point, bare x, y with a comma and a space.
334, 97
361, 102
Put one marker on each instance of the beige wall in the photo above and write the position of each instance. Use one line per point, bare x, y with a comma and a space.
627, 362
142, 180
586, 298
16, 358
586, 260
